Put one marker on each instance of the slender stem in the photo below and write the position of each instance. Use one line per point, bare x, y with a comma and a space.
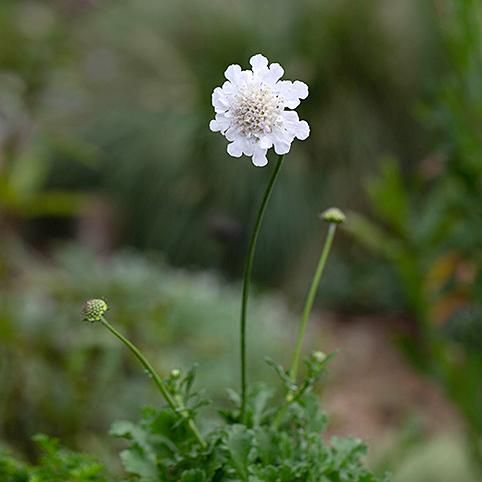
157, 379
248, 268
310, 299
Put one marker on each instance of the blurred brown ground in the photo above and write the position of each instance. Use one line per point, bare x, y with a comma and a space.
372, 392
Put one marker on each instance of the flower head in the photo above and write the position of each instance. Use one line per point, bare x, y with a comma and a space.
94, 310
251, 110
318, 356
333, 215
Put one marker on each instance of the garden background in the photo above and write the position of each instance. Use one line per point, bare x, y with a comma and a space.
112, 186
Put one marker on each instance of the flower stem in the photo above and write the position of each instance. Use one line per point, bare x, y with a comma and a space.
248, 268
310, 299
157, 379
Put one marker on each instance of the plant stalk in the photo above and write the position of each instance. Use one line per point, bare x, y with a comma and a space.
310, 300
248, 268
157, 379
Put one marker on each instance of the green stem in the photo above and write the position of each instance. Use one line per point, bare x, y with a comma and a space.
247, 279
310, 299
157, 379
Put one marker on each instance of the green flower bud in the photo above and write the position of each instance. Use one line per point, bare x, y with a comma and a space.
318, 356
175, 373
94, 310
333, 215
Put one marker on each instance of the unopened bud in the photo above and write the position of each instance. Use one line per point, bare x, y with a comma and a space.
94, 310
333, 215
318, 356
175, 373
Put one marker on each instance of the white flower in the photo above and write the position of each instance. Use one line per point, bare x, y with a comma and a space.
251, 110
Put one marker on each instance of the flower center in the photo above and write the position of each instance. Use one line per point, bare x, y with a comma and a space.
256, 110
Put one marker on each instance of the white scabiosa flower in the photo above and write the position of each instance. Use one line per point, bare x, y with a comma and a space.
252, 110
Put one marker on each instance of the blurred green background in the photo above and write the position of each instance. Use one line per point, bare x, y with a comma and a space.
112, 185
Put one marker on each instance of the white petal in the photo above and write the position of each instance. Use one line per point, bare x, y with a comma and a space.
258, 62
265, 142
219, 100
220, 124
233, 73
228, 88
290, 117
302, 130
259, 157
235, 149
245, 77
282, 146
231, 134
274, 73
215, 126
249, 148
292, 92
300, 89
293, 126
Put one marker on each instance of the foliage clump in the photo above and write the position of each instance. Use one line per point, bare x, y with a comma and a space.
279, 441
55, 464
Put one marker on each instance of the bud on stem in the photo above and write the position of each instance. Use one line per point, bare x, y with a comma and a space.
93, 311
333, 216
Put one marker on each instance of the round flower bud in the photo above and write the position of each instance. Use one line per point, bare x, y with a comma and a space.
94, 310
318, 356
175, 373
333, 215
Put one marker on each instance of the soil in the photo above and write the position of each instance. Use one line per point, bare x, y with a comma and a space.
372, 392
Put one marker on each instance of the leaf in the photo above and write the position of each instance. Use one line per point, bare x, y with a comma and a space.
389, 196
131, 431
239, 444
57, 463
259, 405
137, 462
282, 373
234, 397
140, 458
193, 475
371, 235
11, 470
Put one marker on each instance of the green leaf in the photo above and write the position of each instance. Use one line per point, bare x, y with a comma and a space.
135, 461
239, 444
259, 404
12, 470
193, 475
371, 235
389, 196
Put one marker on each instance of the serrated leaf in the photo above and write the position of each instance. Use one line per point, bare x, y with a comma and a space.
131, 431
259, 405
282, 373
135, 461
239, 444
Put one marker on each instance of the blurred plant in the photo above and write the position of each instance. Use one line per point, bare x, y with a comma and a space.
273, 445
37, 345
432, 230
34, 42
161, 123
159, 449
260, 439
55, 464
